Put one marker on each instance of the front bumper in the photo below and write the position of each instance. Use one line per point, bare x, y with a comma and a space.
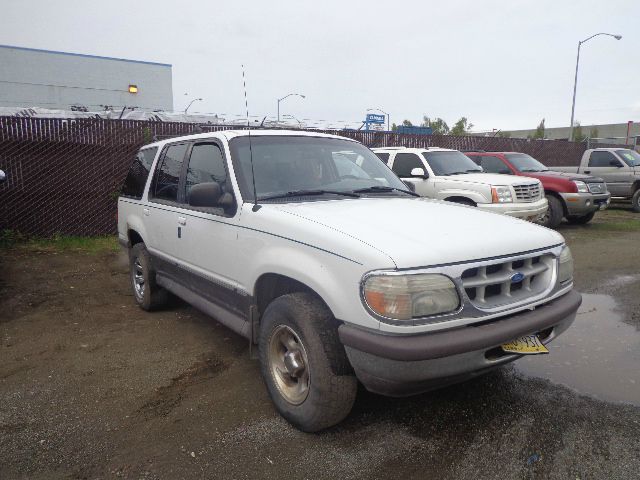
580, 204
525, 210
397, 365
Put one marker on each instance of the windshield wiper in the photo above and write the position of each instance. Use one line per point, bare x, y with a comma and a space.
455, 173
531, 170
473, 170
381, 189
309, 193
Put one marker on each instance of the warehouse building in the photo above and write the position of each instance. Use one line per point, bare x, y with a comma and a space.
72, 81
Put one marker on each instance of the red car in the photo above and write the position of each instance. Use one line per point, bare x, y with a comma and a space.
572, 196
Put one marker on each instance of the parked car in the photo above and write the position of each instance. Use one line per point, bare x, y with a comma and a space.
450, 175
336, 271
619, 167
572, 196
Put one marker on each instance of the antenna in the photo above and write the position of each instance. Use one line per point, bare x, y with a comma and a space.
256, 207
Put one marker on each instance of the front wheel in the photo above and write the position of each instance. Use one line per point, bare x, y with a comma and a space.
553, 216
303, 363
635, 201
584, 219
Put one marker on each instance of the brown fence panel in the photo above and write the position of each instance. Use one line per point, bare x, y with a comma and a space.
64, 174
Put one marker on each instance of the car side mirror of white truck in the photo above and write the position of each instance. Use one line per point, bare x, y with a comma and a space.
419, 173
3, 176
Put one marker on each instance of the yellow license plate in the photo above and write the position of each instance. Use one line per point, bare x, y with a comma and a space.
527, 345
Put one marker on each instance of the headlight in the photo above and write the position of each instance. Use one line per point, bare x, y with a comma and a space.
403, 297
565, 267
581, 186
501, 195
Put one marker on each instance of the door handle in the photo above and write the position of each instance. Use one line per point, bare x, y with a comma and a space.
145, 211
182, 220
587, 171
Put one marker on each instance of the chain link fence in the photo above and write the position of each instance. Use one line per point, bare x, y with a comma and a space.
64, 175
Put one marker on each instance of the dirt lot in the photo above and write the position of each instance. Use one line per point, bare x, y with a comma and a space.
93, 387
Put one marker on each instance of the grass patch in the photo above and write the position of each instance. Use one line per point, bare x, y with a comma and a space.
625, 226
59, 243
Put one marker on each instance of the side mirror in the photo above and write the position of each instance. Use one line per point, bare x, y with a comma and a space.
205, 194
3, 176
615, 163
419, 173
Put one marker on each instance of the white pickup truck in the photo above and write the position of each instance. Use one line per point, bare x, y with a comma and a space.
618, 167
309, 246
449, 175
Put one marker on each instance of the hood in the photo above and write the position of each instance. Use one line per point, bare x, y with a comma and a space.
563, 176
418, 232
485, 179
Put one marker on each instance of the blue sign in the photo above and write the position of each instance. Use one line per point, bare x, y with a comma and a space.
374, 118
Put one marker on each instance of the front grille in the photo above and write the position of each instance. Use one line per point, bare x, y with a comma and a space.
493, 285
597, 187
528, 192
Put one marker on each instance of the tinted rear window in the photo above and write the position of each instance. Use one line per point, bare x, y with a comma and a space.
168, 175
138, 173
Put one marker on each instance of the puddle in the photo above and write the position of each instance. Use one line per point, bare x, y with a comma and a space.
599, 355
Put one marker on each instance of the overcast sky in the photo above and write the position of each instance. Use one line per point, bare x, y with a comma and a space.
503, 64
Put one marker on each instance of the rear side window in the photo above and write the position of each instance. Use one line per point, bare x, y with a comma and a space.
602, 159
383, 156
138, 173
168, 175
405, 162
206, 164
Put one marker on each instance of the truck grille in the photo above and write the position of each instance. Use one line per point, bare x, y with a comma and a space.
597, 187
494, 285
529, 192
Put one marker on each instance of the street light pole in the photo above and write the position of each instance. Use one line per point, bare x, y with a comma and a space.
575, 81
280, 99
194, 100
382, 111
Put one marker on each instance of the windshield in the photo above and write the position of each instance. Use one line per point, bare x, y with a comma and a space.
284, 164
450, 163
631, 157
525, 163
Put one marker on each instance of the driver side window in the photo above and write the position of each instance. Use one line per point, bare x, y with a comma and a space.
206, 164
491, 164
404, 163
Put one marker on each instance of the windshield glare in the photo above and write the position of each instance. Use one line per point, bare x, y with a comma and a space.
450, 163
284, 164
631, 157
525, 163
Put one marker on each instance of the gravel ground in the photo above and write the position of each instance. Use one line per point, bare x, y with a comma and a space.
93, 387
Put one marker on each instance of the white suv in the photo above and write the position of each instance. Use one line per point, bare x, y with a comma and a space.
449, 175
308, 245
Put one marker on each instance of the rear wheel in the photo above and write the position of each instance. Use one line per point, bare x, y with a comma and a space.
581, 220
147, 293
553, 216
635, 201
303, 363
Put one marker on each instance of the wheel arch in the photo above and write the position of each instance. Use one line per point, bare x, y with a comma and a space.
270, 286
459, 198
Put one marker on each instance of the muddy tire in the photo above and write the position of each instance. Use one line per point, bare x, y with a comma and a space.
635, 201
146, 292
553, 216
303, 363
581, 220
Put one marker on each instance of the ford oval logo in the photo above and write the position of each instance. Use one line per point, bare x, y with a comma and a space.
517, 277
